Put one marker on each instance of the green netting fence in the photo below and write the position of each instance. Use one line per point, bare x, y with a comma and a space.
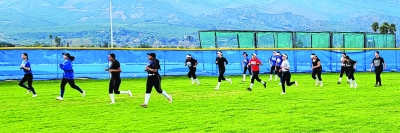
287, 39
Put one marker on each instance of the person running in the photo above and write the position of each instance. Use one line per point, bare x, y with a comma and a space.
26, 67
255, 66
246, 66
379, 63
343, 68
221, 62
350, 67
278, 68
192, 63
286, 74
68, 76
316, 69
115, 80
153, 80
272, 64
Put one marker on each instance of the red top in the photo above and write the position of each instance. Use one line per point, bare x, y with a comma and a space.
255, 64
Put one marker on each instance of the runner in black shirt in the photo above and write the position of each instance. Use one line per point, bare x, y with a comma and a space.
221, 62
380, 65
192, 64
153, 79
316, 69
342, 68
115, 81
350, 67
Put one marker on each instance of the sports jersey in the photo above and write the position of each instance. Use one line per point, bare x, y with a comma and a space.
255, 64
27, 64
190, 63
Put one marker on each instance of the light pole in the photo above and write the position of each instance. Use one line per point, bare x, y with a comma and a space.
111, 26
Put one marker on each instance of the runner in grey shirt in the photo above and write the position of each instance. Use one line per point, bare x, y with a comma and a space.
286, 73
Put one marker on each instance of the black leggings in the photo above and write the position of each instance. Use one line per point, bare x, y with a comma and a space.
221, 74
153, 81
71, 83
29, 78
247, 68
113, 86
316, 72
378, 79
255, 77
343, 70
192, 73
273, 68
350, 72
278, 68
286, 79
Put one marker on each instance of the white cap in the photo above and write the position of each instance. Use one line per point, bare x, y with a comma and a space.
188, 55
254, 54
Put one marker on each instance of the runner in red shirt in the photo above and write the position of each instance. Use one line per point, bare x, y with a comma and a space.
255, 66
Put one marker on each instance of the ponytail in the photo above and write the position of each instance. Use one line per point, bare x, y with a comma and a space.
158, 64
72, 58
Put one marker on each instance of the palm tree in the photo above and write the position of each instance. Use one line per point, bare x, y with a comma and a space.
51, 40
384, 29
375, 26
392, 28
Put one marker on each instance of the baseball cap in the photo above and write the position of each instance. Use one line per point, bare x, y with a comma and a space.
152, 54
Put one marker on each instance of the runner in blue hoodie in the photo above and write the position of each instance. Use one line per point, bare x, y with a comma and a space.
68, 76
272, 64
26, 66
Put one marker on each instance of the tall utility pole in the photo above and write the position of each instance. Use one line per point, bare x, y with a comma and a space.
111, 26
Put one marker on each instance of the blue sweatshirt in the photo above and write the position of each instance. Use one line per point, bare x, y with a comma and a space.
246, 61
68, 71
27, 64
273, 60
279, 60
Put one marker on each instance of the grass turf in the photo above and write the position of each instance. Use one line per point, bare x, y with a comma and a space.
332, 108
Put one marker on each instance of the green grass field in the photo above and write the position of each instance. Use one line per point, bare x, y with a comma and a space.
332, 108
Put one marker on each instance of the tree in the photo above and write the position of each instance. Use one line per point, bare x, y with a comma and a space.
58, 41
375, 26
51, 39
392, 28
384, 29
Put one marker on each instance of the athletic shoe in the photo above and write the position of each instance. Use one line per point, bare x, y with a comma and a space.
28, 92
35, 95
316, 84
243, 80
265, 85
270, 80
198, 84
283, 93
249, 89
143, 105
338, 82
376, 85
111, 103
59, 98
295, 82
192, 82
355, 86
83, 94
321, 85
229, 80
280, 83
351, 85
170, 99
130, 93
217, 88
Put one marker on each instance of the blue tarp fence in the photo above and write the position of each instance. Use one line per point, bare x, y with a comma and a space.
91, 63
